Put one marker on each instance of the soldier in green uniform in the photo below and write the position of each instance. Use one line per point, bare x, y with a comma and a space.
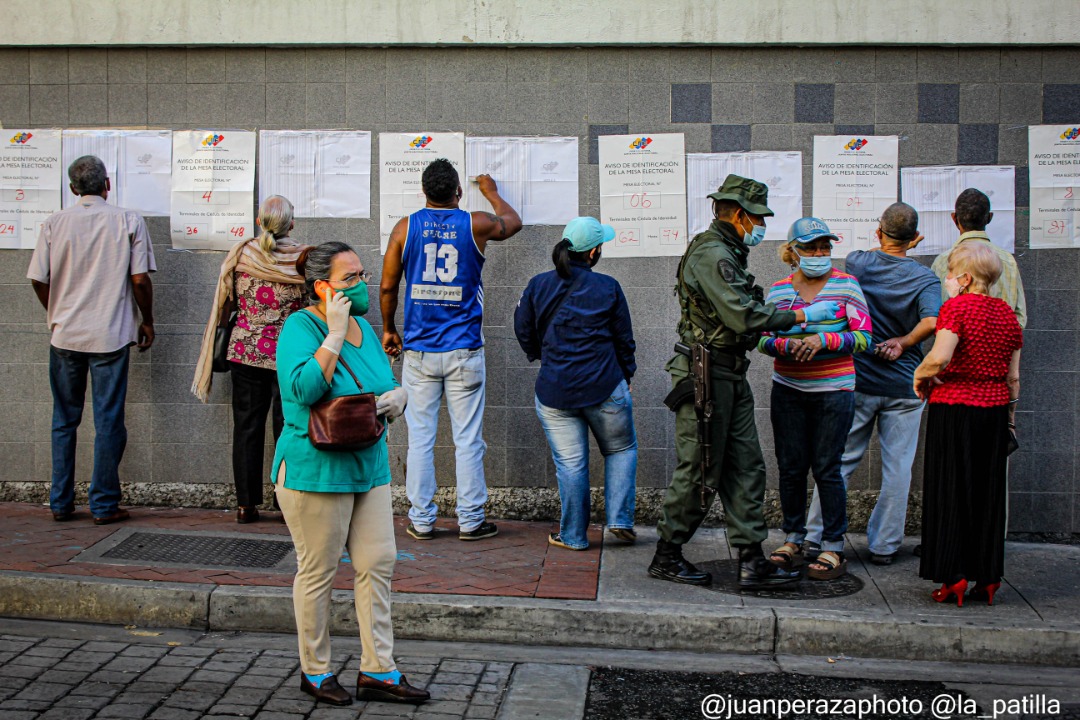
723, 310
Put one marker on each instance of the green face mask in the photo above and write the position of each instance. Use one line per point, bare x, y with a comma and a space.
358, 294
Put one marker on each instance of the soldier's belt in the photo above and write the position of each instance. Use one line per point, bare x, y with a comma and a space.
737, 364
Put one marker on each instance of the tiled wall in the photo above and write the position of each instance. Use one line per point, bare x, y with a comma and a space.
947, 106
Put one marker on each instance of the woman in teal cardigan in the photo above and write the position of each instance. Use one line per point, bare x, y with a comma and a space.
334, 499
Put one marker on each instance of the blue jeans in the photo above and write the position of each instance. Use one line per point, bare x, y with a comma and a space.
612, 424
898, 421
460, 375
67, 376
809, 430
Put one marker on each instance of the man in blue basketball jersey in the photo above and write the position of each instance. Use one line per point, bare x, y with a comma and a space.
440, 252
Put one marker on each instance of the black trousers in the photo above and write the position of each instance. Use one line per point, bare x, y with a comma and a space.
254, 393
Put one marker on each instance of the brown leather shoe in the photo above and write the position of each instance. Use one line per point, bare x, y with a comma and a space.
330, 691
63, 516
247, 514
113, 518
369, 688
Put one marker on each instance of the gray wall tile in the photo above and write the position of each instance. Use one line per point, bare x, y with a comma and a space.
245, 65
895, 63
979, 103
205, 104
365, 65
691, 65
486, 64
1021, 103
14, 105
977, 144
936, 144
165, 103
1059, 64
979, 65
15, 65
897, 103
750, 64
205, 65
691, 103
937, 65
854, 129
855, 65
608, 102
88, 65
245, 104
325, 65
733, 103
127, 104
608, 65
1061, 103
815, 65
774, 103
48, 66
730, 138
127, 65
365, 104
1013, 145
939, 103
89, 103
325, 104
1021, 64
854, 103
166, 65
814, 103
596, 131
651, 103
48, 104
770, 137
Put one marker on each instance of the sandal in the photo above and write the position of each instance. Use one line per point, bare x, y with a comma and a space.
811, 550
833, 565
787, 556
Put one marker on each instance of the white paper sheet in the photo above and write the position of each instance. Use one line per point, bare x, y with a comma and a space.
402, 159
932, 191
855, 179
781, 171
323, 173
213, 188
538, 176
138, 163
643, 194
1054, 167
30, 177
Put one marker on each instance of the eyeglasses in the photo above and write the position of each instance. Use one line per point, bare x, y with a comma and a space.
814, 252
353, 280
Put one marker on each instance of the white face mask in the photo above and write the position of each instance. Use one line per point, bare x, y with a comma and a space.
952, 286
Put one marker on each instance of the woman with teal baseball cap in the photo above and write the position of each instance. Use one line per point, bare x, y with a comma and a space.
813, 393
577, 323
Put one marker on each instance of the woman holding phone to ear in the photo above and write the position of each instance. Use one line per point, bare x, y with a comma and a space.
338, 498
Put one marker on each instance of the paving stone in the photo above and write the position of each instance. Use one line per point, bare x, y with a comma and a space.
97, 689
13, 704
104, 647
457, 678
147, 651
481, 712
286, 705
89, 702
257, 681
134, 712
271, 715
170, 713
189, 700
233, 710
47, 651
47, 691
35, 661
28, 672
449, 692
67, 713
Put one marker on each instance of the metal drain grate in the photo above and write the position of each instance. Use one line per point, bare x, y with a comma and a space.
726, 580
193, 549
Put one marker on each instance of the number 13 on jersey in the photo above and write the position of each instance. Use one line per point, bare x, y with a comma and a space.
441, 263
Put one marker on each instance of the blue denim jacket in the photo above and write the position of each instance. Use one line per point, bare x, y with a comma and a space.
589, 348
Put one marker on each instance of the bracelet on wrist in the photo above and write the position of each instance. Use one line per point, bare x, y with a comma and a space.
1014, 401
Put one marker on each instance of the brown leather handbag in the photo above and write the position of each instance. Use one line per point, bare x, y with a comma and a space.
348, 422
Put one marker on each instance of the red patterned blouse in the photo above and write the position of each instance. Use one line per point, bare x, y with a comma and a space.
989, 335
262, 307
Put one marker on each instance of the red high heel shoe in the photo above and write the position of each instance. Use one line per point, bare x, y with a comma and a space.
946, 592
985, 592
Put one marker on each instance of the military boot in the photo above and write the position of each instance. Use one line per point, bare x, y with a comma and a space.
756, 572
669, 564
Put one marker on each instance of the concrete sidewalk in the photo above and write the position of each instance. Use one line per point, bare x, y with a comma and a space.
516, 589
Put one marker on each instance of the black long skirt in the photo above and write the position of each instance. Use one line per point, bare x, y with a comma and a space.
964, 493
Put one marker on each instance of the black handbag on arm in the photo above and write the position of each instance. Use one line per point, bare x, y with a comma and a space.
222, 334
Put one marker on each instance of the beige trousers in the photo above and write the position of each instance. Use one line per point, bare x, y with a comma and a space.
321, 524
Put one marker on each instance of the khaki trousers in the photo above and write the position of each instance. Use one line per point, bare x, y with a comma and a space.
321, 524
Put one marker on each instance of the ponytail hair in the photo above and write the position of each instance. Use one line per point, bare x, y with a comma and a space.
314, 262
275, 219
562, 255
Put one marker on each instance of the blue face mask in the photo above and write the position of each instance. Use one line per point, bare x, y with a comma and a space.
755, 236
815, 266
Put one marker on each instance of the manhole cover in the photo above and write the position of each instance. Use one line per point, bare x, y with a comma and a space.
726, 580
196, 549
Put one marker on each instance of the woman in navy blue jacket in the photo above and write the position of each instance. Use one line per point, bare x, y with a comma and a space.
577, 323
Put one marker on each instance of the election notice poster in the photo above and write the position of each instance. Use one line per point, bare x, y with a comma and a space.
932, 191
538, 176
855, 179
138, 162
213, 188
31, 175
402, 159
1054, 167
781, 171
643, 194
324, 173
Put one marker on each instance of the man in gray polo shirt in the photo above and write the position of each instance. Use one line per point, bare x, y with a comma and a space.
91, 271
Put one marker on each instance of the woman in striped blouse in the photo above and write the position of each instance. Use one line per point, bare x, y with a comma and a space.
813, 398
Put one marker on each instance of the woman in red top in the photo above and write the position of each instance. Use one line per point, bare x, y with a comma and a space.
972, 380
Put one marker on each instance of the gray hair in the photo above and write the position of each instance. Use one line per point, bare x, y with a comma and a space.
88, 175
900, 222
275, 217
314, 264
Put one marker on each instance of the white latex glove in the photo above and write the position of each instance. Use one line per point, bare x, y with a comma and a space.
337, 314
392, 403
